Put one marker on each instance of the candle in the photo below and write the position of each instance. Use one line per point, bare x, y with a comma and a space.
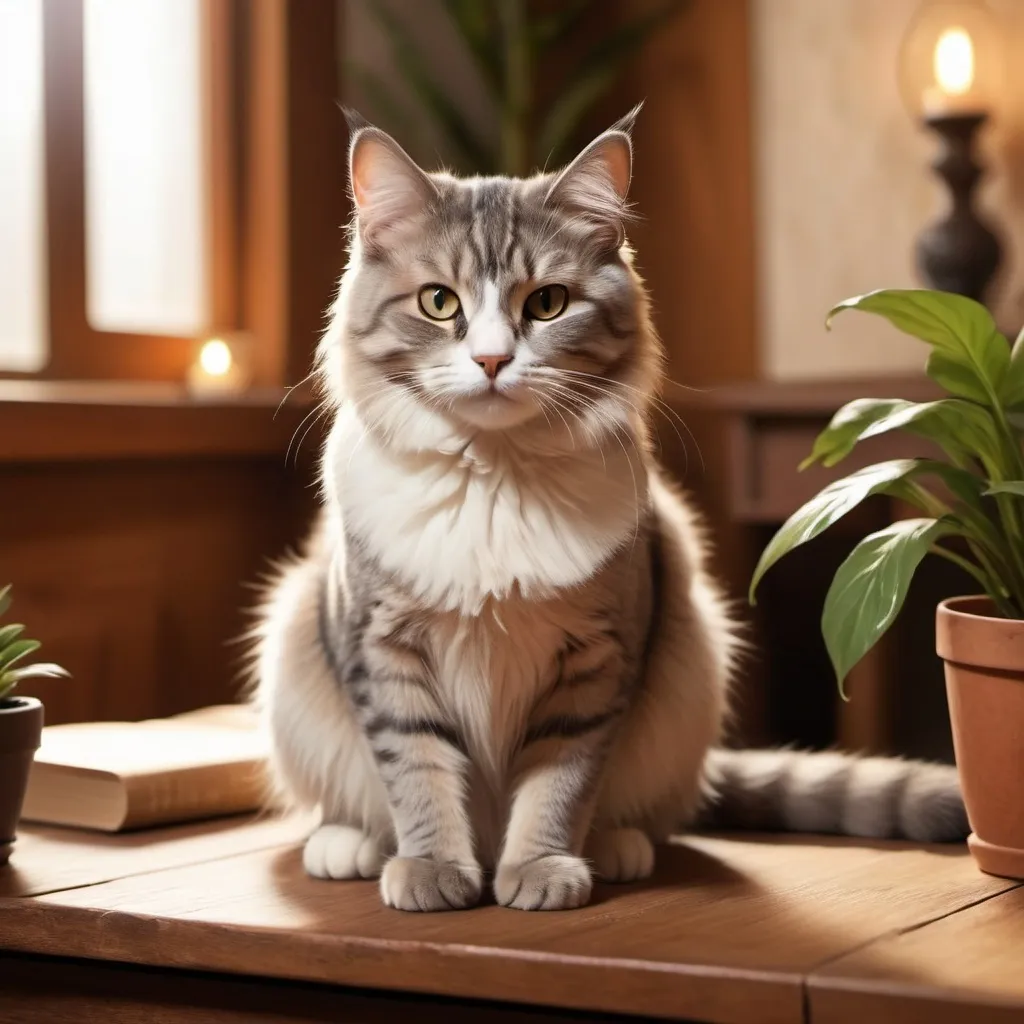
217, 368
953, 73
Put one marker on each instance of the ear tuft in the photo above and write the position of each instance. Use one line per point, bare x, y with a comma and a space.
387, 187
595, 185
627, 122
354, 119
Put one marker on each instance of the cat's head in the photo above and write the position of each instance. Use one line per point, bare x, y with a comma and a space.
491, 304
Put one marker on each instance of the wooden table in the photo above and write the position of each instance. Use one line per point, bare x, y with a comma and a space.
220, 924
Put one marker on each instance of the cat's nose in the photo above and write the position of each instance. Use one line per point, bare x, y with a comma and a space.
492, 365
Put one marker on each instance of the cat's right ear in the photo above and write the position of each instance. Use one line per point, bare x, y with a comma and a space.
388, 189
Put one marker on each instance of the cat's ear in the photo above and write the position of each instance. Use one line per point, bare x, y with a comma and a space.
595, 185
388, 188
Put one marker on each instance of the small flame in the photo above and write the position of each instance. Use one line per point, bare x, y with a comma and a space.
215, 357
954, 62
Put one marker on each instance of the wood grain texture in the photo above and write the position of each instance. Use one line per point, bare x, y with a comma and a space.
46, 421
726, 931
137, 574
36, 990
965, 967
49, 859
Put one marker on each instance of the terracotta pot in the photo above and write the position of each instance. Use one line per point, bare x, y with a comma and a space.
21, 725
984, 658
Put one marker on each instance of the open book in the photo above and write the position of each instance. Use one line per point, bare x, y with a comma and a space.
122, 775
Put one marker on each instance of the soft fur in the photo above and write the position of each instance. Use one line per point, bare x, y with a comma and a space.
500, 650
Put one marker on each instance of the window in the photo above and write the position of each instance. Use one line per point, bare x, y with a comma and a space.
169, 170
23, 305
145, 167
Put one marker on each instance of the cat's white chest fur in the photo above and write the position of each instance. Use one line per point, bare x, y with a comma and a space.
488, 520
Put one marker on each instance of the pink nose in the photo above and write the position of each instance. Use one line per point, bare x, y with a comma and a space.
492, 365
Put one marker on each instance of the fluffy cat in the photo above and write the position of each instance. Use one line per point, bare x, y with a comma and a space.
500, 651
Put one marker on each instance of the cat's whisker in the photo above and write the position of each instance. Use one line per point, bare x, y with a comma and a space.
658, 405
315, 413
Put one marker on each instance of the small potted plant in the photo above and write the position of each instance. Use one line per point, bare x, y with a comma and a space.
972, 513
21, 722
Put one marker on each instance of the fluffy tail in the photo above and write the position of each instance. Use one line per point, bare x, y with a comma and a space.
845, 794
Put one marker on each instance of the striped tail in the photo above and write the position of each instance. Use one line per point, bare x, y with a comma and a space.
831, 792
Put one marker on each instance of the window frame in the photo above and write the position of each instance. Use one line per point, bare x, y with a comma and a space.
276, 150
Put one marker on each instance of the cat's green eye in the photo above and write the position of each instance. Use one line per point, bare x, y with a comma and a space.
546, 303
438, 302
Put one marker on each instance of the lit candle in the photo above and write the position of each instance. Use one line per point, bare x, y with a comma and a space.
217, 368
953, 72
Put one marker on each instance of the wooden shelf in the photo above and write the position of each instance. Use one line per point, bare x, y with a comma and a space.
45, 421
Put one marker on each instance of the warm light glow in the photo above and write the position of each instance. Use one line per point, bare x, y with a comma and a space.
215, 358
954, 62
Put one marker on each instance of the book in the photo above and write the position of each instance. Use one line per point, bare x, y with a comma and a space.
114, 776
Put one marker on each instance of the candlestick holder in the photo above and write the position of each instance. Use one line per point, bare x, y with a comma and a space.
958, 253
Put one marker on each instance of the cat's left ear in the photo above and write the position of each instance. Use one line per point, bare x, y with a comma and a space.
388, 189
595, 185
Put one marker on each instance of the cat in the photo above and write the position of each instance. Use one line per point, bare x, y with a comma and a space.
500, 654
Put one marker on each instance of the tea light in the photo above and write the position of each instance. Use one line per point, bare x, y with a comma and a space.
218, 367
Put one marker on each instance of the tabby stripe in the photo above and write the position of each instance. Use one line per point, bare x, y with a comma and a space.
324, 634
377, 317
568, 726
415, 727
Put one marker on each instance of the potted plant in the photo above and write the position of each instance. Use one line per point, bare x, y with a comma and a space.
21, 722
972, 513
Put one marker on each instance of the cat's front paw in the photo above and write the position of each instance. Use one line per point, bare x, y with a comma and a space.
621, 854
340, 851
555, 882
416, 883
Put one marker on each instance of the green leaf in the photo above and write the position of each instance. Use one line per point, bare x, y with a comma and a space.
417, 73
16, 651
41, 670
8, 634
962, 429
1012, 393
387, 110
1007, 487
479, 32
556, 27
869, 588
595, 75
841, 496
5, 599
970, 357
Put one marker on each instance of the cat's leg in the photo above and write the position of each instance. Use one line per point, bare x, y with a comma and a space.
421, 761
557, 776
620, 854
319, 755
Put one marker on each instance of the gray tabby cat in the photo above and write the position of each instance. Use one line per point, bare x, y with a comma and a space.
500, 651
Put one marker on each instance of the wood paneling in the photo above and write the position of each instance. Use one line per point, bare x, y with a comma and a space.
693, 190
133, 540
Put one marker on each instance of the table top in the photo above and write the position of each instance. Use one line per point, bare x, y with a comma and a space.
744, 929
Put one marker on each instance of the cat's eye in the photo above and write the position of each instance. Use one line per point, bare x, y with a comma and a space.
438, 302
546, 303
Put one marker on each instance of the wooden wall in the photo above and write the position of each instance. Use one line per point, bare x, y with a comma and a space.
693, 188
134, 571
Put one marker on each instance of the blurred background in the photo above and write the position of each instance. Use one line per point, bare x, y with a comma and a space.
172, 195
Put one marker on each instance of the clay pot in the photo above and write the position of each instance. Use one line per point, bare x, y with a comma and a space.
21, 725
984, 658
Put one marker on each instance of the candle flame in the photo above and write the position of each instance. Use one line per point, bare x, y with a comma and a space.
954, 62
215, 357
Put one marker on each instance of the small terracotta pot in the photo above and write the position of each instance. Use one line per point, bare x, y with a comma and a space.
984, 658
21, 725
